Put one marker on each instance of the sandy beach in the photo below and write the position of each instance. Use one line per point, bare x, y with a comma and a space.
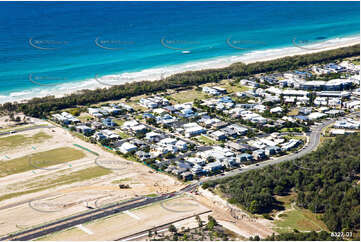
159, 73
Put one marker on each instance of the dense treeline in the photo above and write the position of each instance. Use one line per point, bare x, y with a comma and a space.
39, 107
326, 181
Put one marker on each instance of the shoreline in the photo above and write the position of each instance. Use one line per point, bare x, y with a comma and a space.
153, 74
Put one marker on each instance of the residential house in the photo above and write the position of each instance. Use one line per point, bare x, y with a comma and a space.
127, 147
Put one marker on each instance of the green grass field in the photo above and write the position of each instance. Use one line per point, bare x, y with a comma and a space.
295, 129
39, 160
122, 134
297, 218
300, 219
206, 140
17, 140
187, 96
39, 184
119, 122
18, 127
293, 112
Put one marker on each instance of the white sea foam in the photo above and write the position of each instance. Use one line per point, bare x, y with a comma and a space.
159, 72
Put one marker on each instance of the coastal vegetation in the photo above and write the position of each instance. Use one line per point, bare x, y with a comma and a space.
326, 182
41, 107
297, 236
205, 231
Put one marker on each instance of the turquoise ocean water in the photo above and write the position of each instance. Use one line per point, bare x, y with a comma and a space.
51, 47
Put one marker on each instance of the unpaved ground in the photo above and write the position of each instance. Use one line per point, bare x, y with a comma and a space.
72, 198
5, 121
234, 218
125, 224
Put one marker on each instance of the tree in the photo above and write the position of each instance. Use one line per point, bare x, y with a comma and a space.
211, 222
172, 229
278, 190
200, 222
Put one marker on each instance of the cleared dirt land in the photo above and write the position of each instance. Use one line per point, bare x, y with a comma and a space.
46, 174
133, 221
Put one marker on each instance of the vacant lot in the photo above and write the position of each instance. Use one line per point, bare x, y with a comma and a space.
17, 140
40, 184
133, 221
40, 160
232, 87
207, 141
188, 96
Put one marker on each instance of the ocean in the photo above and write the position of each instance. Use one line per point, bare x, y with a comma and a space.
52, 48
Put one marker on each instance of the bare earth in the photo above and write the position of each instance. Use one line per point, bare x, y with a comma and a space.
65, 200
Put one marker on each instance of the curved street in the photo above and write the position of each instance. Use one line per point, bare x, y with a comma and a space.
314, 140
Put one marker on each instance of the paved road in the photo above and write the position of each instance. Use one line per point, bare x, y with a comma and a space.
26, 129
91, 215
314, 140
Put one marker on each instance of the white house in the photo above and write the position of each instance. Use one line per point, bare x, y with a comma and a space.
276, 110
127, 147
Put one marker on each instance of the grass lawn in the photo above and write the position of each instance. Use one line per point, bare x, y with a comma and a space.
323, 139
206, 140
293, 112
40, 160
21, 127
84, 117
119, 122
300, 219
236, 87
187, 96
296, 218
19, 140
78, 176
298, 137
136, 106
287, 200
122, 134
151, 195
296, 129
356, 62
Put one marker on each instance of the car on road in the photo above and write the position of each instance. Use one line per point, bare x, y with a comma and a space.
12, 132
256, 164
